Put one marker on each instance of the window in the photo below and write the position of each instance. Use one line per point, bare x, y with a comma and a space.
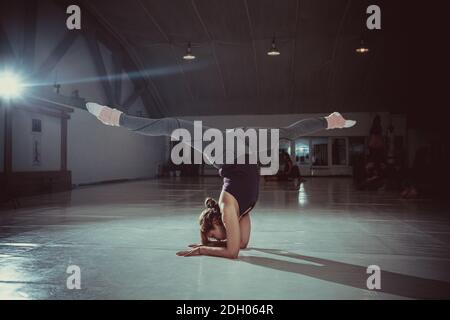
339, 152
320, 151
302, 151
36, 125
285, 146
356, 149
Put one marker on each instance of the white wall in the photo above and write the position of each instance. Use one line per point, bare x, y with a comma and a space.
50, 138
101, 153
2, 137
95, 152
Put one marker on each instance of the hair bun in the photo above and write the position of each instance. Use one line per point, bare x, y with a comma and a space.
210, 203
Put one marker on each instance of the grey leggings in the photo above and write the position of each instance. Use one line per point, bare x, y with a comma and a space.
166, 126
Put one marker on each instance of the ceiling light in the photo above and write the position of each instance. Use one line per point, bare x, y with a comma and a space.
189, 55
362, 48
273, 50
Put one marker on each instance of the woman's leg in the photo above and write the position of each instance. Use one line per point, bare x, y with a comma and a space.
308, 126
161, 127
145, 126
149, 127
303, 127
166, 126
155, 127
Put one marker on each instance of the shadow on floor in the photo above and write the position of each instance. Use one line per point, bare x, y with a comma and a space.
352, 275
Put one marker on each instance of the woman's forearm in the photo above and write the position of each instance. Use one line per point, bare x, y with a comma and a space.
216, 244
218, 252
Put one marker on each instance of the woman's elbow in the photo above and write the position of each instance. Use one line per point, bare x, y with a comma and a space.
233, 254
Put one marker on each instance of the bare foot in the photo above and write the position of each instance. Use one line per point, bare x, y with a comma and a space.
337, 121
106, 115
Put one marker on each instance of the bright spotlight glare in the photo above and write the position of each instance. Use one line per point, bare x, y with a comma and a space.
10, 85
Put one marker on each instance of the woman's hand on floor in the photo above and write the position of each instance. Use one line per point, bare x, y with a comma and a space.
195, 245
222, 243
189, 253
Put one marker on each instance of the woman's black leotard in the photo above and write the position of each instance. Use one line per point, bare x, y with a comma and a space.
242, 182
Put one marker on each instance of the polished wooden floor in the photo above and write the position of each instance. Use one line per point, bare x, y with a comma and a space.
311, 243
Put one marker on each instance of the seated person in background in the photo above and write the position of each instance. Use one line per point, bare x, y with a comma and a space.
290, 170
287, 171
281, 167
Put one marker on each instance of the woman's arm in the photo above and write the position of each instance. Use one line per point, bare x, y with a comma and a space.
231, 222
245, 228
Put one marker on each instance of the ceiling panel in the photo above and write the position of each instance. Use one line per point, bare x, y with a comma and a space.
225, 21
237, 63
318, 68
177, 19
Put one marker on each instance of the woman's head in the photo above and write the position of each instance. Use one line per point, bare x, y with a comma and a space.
210, 220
